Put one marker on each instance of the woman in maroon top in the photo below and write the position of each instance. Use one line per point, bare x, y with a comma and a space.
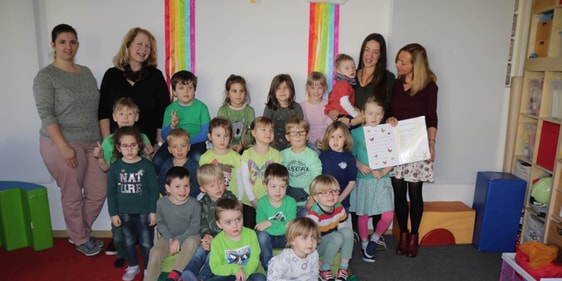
414, 95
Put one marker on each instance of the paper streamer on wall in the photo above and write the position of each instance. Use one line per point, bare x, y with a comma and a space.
323, 39
179, 36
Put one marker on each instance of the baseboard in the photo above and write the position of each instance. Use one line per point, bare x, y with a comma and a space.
95, 233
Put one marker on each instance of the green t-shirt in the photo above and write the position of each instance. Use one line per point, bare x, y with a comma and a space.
240, 119
229, 163
252, 170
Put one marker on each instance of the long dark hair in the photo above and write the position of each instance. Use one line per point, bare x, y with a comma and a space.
380, 89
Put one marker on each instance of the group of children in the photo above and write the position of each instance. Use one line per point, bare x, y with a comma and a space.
284, 179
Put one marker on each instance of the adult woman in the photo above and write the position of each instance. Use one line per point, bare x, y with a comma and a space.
414, 94
135, 75
373, 77
67, 96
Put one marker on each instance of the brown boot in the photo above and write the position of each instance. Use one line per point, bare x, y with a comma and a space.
403, 243
413, 246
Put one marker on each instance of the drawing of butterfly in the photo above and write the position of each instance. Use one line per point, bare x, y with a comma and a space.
256, 172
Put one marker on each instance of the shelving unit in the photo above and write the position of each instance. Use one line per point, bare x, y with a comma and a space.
538, 145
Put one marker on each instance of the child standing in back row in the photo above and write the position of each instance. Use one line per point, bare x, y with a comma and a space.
280, 106
237, 110
373, 194
131, 196
342, 97
313, 108
185, 112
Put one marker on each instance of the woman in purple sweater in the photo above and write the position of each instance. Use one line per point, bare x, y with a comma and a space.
414, 95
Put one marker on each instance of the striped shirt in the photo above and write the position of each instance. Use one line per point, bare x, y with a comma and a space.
329, 222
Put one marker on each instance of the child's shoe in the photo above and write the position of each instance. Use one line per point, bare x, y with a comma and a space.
110, 249
369, 252
342, 275
119, 262
131, 273
326, 275
173, 276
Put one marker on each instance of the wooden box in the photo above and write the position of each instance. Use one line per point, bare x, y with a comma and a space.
543, 30
541, 48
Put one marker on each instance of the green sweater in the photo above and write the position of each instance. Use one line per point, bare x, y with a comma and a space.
227, 256
278, 217
131, 188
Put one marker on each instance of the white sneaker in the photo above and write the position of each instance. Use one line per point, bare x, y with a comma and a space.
131, 273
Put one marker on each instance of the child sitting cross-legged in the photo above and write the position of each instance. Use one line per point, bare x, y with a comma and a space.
235, 250
335, 227
274, 211
178, 218
212, 185
299, 261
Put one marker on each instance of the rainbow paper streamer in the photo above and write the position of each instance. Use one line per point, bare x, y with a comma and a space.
323, 39
179, 36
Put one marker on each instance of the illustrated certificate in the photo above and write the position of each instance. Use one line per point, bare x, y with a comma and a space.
390, 146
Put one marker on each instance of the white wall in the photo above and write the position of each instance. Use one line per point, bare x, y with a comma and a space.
259, 41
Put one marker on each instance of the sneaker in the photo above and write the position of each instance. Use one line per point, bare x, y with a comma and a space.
368, 254
98, 243
342, 275
89, 249
119, 262
110, 249
131, 273
381, 244
326, 275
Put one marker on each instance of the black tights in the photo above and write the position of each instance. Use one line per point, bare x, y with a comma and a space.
414, 190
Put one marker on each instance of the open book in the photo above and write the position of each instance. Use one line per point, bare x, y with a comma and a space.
390, 146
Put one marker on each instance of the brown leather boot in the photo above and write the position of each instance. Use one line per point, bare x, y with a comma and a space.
413, 246
403, 243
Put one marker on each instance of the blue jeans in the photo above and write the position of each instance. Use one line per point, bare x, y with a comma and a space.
267, 243
198, 267
256, 276
137, 229
118, 241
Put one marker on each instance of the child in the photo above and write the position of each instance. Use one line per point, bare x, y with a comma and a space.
337, 159
125, 113
373, 194
185, 112
335, 227
211, 183
313, 107
178, 219
254, 161
235, 250
280, 106
237, 110
274, 211
342, 97
131, 196
220, 133
178, 146
301, 161
300, 260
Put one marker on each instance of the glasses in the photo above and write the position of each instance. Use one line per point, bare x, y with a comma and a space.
329, 192
128, 146
297, 133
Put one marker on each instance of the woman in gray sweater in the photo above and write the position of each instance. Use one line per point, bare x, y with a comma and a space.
67, 97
